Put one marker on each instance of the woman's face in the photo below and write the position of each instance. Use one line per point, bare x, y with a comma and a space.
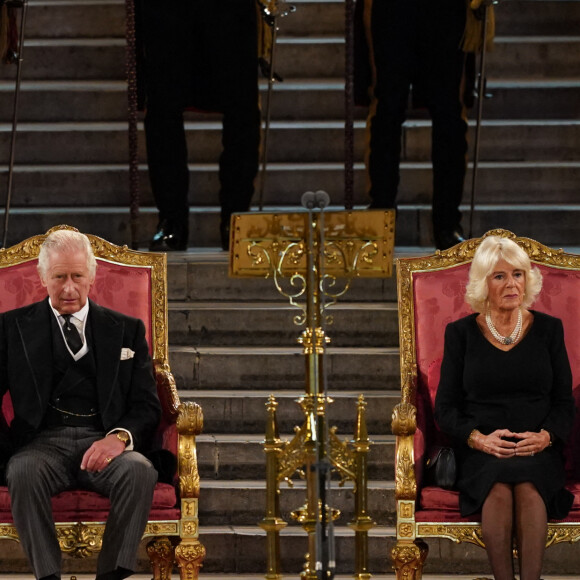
506, 286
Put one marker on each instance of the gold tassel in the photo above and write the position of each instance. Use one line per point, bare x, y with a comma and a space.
474, 27
264, 33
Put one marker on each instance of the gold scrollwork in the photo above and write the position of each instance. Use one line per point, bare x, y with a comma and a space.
313, 342
404, 421
405, 530
293, 456
405, 482
408, 559
342, 456
161, 554
189, 555
190, 528
80, 540
469, 533
161, 529
406, 509
168, 390
560, 533
190, 419
8, 532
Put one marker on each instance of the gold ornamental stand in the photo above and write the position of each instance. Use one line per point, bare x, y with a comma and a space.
313, 256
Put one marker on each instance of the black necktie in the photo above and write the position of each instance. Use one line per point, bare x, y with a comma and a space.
71, 334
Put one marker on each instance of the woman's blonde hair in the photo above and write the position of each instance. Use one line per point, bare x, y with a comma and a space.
490, 252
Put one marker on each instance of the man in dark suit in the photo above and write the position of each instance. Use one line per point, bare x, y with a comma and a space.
85, 403
417, 44
200, 54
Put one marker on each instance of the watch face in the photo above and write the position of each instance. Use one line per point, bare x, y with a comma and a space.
124, 437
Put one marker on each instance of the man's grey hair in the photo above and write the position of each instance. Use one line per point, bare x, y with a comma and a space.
65, 241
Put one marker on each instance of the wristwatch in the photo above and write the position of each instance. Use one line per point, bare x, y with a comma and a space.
122, 436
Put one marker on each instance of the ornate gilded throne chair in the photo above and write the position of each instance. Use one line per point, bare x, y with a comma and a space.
431, 294
134, 283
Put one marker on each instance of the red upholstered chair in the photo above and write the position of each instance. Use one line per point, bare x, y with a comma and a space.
134, 283
431, 294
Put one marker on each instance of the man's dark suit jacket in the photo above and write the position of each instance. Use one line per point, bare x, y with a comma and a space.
127, 392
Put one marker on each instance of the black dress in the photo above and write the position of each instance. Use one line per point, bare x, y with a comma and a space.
527, 388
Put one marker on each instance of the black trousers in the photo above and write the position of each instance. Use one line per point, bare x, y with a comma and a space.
416, 43
201, 53
49, 465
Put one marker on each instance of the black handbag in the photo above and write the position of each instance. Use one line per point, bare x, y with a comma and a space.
441, 467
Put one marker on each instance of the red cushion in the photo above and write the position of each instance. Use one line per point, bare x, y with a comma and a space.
437, 498
90, 506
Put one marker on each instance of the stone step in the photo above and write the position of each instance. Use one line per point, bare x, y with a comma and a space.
238, 413
235, 458
305, 100
278, 368
512, 17
247, 553
103, 18
247, 549
308, 99
200, 276
413, 222
289, 141
310, 57
226, 458
263, 324
512, 57
243, 503
106, 185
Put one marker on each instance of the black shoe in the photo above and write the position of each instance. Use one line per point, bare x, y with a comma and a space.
446, 239
225, 233
170, 237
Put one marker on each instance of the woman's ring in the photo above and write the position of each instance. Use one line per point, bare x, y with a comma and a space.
532, 453
109, 459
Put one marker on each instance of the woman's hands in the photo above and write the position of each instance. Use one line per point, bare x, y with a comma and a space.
531, 443
497, 443
494, 444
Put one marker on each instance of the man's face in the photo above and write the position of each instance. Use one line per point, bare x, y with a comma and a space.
68, 280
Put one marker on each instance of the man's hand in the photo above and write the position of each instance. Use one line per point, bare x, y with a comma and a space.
532, 442
101, 453
495, 444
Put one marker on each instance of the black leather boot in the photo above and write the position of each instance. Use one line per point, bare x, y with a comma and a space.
170, 237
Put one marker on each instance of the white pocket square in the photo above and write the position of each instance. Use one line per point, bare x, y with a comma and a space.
127, 353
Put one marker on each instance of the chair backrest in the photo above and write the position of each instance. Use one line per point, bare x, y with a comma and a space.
134, 283
431, 294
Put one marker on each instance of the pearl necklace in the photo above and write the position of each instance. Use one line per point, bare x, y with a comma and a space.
513, 337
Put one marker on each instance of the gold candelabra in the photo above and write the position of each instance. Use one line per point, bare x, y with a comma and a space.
313, 257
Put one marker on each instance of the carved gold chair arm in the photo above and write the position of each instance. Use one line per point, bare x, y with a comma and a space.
189, 424
166, 387
404, 425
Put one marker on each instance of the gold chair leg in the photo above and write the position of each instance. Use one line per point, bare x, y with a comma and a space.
161, 554
189, 555
408, 559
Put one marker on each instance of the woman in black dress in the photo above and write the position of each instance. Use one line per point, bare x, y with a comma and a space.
505, 397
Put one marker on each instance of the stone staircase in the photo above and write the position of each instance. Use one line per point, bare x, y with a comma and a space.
232, 341
72, 145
